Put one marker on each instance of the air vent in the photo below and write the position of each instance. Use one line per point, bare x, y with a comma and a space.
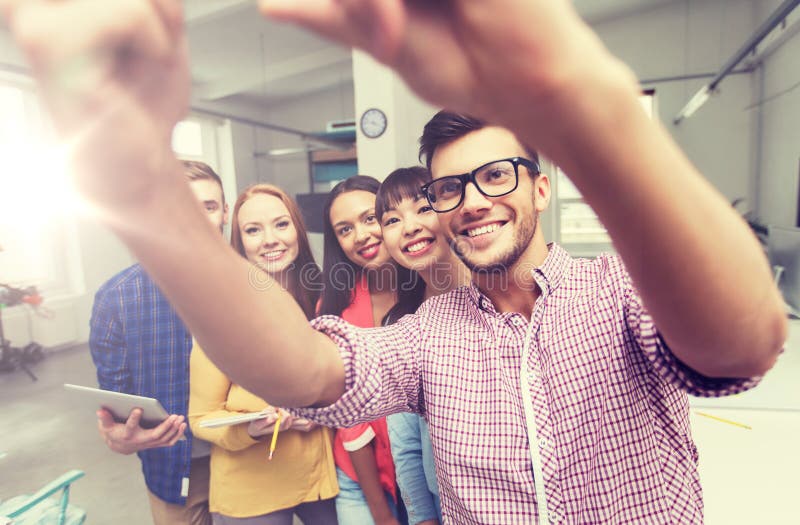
341, 125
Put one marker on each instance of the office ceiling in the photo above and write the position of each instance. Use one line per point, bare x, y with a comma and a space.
240, 58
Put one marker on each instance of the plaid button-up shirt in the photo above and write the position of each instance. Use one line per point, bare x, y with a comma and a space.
580, 415
140, 346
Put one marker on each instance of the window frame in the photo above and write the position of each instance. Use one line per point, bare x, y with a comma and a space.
557, 203
57, 240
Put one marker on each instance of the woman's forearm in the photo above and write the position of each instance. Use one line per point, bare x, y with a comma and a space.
366, 469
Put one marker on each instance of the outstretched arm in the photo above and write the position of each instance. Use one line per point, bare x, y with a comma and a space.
116, 82
536, 68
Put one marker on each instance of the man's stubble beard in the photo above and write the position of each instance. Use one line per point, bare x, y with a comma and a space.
522, 238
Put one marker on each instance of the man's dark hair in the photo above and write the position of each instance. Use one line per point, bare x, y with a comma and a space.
445, 127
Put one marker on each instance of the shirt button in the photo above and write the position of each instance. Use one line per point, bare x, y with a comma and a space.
542, 443
517, 321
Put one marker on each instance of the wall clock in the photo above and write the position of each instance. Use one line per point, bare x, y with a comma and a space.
373, 123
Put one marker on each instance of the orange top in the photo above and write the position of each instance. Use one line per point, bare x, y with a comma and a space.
359, 313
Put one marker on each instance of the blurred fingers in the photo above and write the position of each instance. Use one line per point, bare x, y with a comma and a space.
132, 423
373, 25
164, 432
105, 421
173, 436
76, 46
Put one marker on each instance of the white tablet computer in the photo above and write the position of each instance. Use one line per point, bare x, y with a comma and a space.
237, 419
119, 404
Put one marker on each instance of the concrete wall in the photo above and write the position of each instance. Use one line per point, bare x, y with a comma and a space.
310, 114
97, 255
682, 39
778, 101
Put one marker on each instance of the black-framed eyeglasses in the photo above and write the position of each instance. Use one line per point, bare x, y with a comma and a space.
493, 179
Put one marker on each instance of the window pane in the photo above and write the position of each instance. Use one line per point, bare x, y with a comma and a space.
567, 190
23, 259
580, 225
36, 197
187, 139
12, 115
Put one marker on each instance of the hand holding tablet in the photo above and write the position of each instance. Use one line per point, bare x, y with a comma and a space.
129, 423
130, 437
120, 405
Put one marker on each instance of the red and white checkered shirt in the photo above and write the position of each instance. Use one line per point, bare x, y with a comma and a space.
586, 423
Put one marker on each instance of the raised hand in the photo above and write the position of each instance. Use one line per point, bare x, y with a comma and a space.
114, 77
130, 437
489, 58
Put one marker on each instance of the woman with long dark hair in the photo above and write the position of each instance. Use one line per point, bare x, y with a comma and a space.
342, 271
361, 284
248, 484
413, 237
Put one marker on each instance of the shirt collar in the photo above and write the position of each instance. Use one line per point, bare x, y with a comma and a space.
556, 265
548, 275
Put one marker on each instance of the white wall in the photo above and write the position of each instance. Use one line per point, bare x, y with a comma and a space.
406, 115
778, 94
100, 256
310, 114
687, 38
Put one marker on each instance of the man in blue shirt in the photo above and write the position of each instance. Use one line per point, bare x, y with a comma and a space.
140, 346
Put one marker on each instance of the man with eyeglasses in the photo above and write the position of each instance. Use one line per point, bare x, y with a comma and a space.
546, 380
555, 388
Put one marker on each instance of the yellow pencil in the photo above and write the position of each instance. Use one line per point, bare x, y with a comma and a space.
275, 436
723, 420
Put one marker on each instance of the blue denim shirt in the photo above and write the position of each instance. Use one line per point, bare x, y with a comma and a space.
413, 462
140, 346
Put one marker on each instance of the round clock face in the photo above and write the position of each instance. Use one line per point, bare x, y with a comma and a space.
373, 123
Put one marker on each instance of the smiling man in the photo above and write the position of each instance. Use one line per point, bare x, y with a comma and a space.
548, 388
490, 212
